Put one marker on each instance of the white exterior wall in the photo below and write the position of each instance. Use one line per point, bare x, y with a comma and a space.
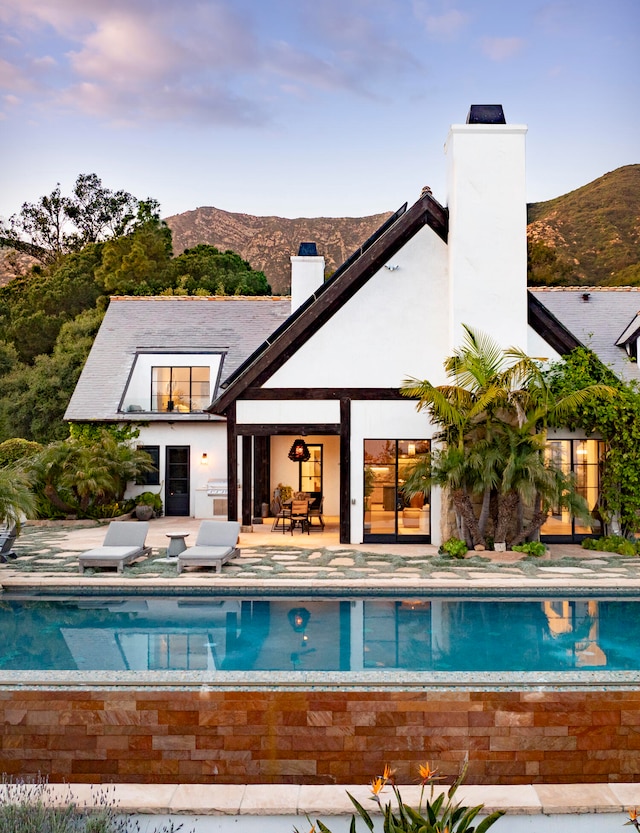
398, 420
138, 390
394, 327
275, 412
488, 232
202, 438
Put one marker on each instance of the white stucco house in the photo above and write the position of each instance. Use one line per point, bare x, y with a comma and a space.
222, 387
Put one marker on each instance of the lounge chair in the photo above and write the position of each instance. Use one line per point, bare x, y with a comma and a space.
123, 543
215, 545
8, 535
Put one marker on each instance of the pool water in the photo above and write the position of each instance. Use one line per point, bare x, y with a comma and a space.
276, 634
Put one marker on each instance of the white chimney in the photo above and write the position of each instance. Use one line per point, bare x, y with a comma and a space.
307, 274
487, 227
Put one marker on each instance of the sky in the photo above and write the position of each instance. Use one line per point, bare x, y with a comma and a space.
306, 108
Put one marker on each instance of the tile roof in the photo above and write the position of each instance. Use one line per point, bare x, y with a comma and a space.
237, 325
598, 316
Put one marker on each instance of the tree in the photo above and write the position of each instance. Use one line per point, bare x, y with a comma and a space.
34, 398
56, 225
617, 421
493, 421
17, 499
81, 477
206, 269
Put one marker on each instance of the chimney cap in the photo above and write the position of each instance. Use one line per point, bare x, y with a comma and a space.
308, 250
486, 114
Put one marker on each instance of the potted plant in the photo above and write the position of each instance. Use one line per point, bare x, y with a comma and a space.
148, 505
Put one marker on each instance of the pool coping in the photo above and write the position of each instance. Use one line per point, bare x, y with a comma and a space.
333, 800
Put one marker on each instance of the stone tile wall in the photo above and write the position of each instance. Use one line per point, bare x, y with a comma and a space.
247, 737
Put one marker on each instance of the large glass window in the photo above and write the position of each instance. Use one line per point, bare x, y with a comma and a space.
180, 389
388, 511
583, 458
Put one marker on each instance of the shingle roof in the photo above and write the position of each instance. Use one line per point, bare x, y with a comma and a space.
237, 325
597, 315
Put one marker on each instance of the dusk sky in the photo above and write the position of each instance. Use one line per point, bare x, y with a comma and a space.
306, 108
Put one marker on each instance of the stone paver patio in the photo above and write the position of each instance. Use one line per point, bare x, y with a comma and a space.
48, 554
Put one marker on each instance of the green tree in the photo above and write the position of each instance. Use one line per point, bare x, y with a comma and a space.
493, 421
617, 422
81, 478
206, 269
33, 308
137, 263
33, 398
17, 499
57, 225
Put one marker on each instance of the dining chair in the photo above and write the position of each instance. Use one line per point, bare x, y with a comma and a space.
299, 515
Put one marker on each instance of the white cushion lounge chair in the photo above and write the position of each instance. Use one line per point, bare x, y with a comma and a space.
215, 545
123, 543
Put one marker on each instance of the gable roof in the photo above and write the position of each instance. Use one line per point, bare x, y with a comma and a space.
548, 327
333, 294
604, 318
234, 326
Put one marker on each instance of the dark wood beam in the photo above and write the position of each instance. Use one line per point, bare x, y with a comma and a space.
345, 470
300, 429
247, 482
321, 393
232, 464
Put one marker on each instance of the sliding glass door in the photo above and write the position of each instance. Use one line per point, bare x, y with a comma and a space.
583, 458
389, 513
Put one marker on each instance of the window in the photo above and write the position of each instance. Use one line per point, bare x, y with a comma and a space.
180, 389
311, 471
150, 478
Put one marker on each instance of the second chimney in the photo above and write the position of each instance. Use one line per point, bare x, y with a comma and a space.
307, 274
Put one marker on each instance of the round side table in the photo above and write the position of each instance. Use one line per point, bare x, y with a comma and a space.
176, 543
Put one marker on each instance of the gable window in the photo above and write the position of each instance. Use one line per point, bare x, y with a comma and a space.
180, 389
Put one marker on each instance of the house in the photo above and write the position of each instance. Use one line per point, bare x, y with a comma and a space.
326, 371
156, 364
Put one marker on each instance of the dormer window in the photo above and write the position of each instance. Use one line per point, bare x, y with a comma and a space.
632, 349
180, 389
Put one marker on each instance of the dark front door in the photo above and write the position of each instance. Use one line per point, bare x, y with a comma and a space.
176, 498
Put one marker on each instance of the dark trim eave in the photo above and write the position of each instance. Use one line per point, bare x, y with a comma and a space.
548, 327
315, 312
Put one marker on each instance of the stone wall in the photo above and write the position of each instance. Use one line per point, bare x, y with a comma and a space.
343, 737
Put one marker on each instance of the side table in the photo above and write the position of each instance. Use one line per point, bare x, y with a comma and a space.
176, 543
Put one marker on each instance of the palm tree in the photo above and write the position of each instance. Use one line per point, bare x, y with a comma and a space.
17, 499
493, 421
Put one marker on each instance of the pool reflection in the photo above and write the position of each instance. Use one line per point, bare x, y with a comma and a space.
196, 634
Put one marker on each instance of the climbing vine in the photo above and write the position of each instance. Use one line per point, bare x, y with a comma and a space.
617, 422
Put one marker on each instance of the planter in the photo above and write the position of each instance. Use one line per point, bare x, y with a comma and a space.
143, 512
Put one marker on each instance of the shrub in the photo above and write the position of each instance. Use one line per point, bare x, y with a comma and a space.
441, 813
16, 449
612, 543
31, 808
535, 548
454, 547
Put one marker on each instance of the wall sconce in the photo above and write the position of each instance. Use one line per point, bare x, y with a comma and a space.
204, 460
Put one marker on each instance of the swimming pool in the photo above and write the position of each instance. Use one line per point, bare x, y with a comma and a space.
416, 635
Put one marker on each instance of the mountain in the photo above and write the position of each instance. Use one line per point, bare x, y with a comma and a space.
591, 236
268, 242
